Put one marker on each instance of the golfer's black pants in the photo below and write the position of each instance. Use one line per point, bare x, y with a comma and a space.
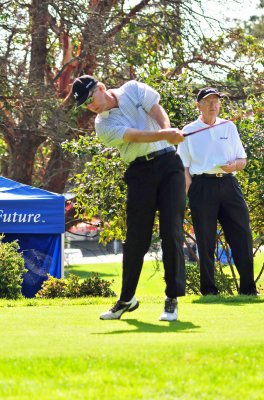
154, 185
215, 199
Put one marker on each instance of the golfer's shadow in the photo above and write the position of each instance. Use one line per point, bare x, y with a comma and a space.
144, 327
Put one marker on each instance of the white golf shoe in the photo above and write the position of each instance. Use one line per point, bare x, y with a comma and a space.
120, 308
170, 312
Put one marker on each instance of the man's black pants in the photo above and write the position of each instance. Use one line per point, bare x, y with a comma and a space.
153, 185
221, 199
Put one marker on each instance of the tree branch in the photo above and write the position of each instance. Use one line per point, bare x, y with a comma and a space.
128, 17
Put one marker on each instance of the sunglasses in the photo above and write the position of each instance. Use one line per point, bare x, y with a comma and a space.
90, 98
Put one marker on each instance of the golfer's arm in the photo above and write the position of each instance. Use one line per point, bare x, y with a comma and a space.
158, 113
139, 136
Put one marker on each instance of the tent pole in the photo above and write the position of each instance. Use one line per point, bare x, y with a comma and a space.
62, 255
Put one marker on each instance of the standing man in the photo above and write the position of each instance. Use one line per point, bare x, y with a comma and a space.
131, 119
211, 159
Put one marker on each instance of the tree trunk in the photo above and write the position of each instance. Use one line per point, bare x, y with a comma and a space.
39, 34
57, 170
22, 155
25, 139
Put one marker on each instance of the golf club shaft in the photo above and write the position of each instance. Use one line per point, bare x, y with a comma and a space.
247, 114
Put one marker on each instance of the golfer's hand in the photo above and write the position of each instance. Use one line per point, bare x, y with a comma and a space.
231, 167
173, 135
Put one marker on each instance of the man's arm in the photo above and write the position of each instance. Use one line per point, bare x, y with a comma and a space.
158, 113
172, 135
188, 179
236, 165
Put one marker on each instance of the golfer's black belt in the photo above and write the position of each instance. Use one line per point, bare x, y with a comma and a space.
153, 155
218, 175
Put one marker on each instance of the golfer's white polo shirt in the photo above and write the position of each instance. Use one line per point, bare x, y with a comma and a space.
205, 151
135, 100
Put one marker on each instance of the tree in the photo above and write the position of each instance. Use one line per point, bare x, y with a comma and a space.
46, 43
255, 25
33, 81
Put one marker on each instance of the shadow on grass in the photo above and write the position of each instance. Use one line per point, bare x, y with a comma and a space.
144, 327
238, 300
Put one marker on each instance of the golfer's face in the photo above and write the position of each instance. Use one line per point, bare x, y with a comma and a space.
97, 101
210, 106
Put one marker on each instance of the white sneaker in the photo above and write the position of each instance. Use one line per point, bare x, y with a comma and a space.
170, 312
119, 308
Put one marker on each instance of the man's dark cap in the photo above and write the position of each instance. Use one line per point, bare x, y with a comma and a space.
82, 88
205, 92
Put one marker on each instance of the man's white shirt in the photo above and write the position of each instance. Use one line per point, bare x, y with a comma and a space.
135, 100
205, 151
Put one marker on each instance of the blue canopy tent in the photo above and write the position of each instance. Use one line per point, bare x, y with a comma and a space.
36, 218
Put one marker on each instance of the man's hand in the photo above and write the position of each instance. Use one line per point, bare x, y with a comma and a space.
173, 135
231, 167
235, 165
188, 179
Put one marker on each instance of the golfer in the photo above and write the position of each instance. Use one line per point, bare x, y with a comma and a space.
131, 119
211, 159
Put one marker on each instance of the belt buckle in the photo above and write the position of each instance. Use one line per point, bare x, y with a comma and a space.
219, 175
148, 157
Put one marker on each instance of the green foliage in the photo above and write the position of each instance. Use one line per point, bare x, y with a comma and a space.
144, 50
100, 189
251, 129
177, 97
192, 278
53, 287
224, 281
71, 287
11, 270
126, 41
4, 154
96, 286
244, 80
3, 148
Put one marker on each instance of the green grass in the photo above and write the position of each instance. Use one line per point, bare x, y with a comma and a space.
151, 280
59, 349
